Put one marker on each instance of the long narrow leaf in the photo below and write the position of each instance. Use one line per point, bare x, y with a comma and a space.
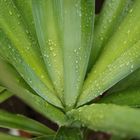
1, 88
118, 120
68, 134
10, 137
46, 13
120, 58
133, 80
8, 120
111, 15
128, 62
11, 80
77, 40
25, 9
130, 97
4, 95
18, 47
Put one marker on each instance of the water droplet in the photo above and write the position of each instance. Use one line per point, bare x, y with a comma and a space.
125, 42
30, 81
128, 31
54, 54
109, 20
104, 27
132, 66
10, 12
42, 76
18, 15
80, 14
101, 38
51, 48
27, 31
131, 10
75, 50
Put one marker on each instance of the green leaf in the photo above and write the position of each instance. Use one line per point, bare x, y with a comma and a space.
120, 58
49, 137
131, 80
130, 97
1, 88
78, 21
25, 9
19, 47
110, 17
118, 120
4, 95
128, 62
95, 20
11, 80
68, 134
46, 15
8, 120
10, 137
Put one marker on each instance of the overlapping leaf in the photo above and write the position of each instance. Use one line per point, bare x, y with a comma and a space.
77, 40
133, 80
25, 9
67, 26
119, 58
110, 17
4, 94
65, 34
46, 17
12, 81
10, 137
129, 96
118, 120
8, 120
20, 48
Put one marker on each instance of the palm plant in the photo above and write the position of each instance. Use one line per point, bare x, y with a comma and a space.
78, 69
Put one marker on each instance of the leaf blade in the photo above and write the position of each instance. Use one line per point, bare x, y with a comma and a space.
131, 80
10, 137
110, 17
109, 118
68, 134
106, 72
8, 120
77, 40
49, 35
130, 97
21, 50
25, 9
4, 95
10, 79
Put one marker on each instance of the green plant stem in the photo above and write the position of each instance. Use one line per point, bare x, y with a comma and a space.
65, 133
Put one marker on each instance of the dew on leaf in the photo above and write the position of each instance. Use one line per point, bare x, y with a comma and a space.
128, 31
10, 12
131, 10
